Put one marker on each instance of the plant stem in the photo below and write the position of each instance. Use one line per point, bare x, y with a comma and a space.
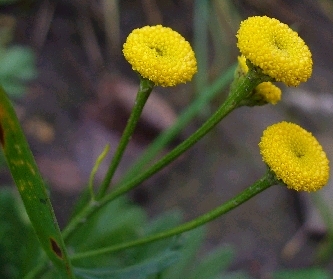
146, 86
240, 90
265, 182
98, 162
187, 115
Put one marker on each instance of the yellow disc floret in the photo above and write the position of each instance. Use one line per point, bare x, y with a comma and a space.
266, 92
276, 49
161, 55
295, 156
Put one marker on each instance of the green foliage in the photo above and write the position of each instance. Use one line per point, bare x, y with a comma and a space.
211, 266
140, 270
122, 221
19, 245
17, 66
31, 186
118, 222
306, 273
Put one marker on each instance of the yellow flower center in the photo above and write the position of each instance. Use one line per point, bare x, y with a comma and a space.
161, 55
295, 156
276, 49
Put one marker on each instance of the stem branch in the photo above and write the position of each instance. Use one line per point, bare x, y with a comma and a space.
146, 86
259, 186
240, 90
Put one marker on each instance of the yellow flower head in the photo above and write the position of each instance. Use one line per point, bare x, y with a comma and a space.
265, 92
276, 49
268, 92
161, 55
295, 156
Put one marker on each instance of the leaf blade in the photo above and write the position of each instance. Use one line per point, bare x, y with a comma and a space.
31, 186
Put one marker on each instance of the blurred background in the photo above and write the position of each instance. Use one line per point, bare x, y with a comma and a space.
61, 62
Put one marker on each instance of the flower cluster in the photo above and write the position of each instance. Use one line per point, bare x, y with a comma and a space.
295, 156
276, 49
161, 55
265, 92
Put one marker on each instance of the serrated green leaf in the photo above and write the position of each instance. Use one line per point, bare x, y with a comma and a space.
306, 273
138, 271
213, 264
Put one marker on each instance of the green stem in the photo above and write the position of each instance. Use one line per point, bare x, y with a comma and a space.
259, 186
146, 86
98, 162
242, 89
187, 115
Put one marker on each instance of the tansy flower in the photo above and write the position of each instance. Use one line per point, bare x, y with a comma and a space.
265, 92
276, 49
295, 156
161, 55
268, 93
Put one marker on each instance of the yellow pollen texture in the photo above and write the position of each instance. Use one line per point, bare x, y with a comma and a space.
276, 49
295, 156
161, 55
269, 92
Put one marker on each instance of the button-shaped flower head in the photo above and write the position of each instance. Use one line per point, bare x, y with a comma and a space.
295, 156
161, 55
276, 49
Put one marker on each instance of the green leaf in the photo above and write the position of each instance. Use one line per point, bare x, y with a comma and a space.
306, 273
138, 271
163, 222
31, 186
214, 263
192, 240
17, 238
118, 221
